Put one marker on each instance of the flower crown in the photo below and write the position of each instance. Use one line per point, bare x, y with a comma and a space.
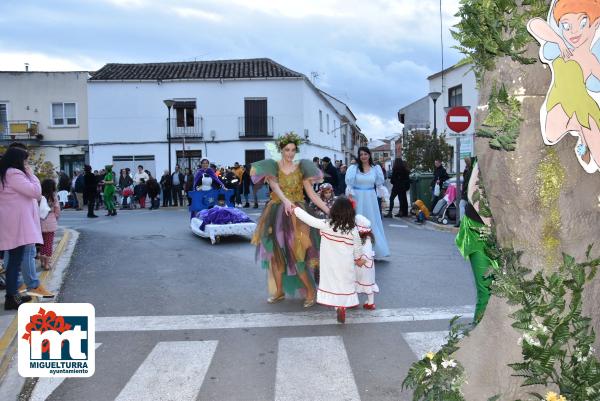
288, 138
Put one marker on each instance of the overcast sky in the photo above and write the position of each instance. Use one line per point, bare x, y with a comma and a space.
374, 55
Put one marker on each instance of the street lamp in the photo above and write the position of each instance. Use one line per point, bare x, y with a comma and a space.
169, 103
434, 96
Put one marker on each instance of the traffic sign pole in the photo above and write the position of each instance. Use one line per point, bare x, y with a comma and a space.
458, 186
458, 119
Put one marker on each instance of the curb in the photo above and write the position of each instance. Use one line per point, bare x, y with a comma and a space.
429, 225
7, 344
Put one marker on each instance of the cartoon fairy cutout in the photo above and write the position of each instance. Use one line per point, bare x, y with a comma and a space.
569, 44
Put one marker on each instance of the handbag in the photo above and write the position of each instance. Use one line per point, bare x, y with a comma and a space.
44, 208
436, 190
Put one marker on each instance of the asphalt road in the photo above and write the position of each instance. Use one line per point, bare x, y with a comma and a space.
179, 318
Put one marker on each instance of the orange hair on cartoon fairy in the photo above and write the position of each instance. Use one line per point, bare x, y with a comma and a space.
589, 7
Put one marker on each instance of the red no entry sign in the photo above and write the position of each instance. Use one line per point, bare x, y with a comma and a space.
458, 119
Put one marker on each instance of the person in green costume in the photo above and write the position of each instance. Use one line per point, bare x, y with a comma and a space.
472, 244
109, 191
570, 107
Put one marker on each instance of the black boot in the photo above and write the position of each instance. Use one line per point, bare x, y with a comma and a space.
12, 302
114, 212
247, 204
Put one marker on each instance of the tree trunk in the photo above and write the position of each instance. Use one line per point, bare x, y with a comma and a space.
543, 204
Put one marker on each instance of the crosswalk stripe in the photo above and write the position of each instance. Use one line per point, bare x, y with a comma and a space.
174, 370
421, 343
45, 386
285, 319
314, 368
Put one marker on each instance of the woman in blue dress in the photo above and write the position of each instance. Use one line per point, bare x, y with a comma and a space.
362, 179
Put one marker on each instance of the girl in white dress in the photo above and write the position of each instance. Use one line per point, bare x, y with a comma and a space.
365, 273
340, 250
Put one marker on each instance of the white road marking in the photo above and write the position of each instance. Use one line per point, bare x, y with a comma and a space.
459, 119
174, 370
422, 342
45, 386
285, 319
325, 368
398, 225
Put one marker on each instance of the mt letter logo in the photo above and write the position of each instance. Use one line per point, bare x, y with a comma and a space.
56, 340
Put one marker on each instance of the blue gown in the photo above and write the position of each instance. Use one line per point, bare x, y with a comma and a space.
362, 187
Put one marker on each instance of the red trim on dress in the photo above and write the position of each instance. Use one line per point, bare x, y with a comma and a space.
335, 240
337, 306
335, 293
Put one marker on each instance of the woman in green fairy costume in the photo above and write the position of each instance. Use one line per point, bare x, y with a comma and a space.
472, 240
570, 107
109, 191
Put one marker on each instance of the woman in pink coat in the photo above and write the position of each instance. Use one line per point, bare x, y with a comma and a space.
20, 191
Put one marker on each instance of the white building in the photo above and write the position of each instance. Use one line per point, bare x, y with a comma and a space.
48, 112
352, 137
223, 110
458, 87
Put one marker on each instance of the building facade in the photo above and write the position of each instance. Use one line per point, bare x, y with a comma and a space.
226, 111
48, 112
351, 135
458, 87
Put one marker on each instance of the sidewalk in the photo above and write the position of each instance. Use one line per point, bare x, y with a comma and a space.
64, 241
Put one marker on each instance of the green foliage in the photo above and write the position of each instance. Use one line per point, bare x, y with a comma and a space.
495, 28
437, 376
422, 149
41, 167
557, 339
503, 120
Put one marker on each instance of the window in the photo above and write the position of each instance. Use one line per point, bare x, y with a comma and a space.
3, 119
184, 112
328, 123
334, 127
64, 114
255, 117
455, 96
321, 120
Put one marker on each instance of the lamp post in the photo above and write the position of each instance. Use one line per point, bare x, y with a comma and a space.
434, 96
169, 103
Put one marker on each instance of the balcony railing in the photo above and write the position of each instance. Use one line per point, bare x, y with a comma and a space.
19, 130
256, 127
188, 128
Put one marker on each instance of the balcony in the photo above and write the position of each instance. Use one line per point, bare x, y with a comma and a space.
190, 128
20, 130
255, 127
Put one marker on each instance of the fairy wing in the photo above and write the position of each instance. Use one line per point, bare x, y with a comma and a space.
275, 154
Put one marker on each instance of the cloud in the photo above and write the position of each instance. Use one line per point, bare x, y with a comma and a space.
188, 12
15, 61
374, 55
373, 126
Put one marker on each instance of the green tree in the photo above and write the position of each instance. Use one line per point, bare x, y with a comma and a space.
41, 167
421, 150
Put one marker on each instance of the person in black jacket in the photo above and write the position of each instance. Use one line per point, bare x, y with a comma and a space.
400, 184
153, 192
90, 185
439, 177
166, 183
330, 174
64, 183
125, 181
177, 180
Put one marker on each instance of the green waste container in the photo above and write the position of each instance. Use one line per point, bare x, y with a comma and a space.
420, 187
